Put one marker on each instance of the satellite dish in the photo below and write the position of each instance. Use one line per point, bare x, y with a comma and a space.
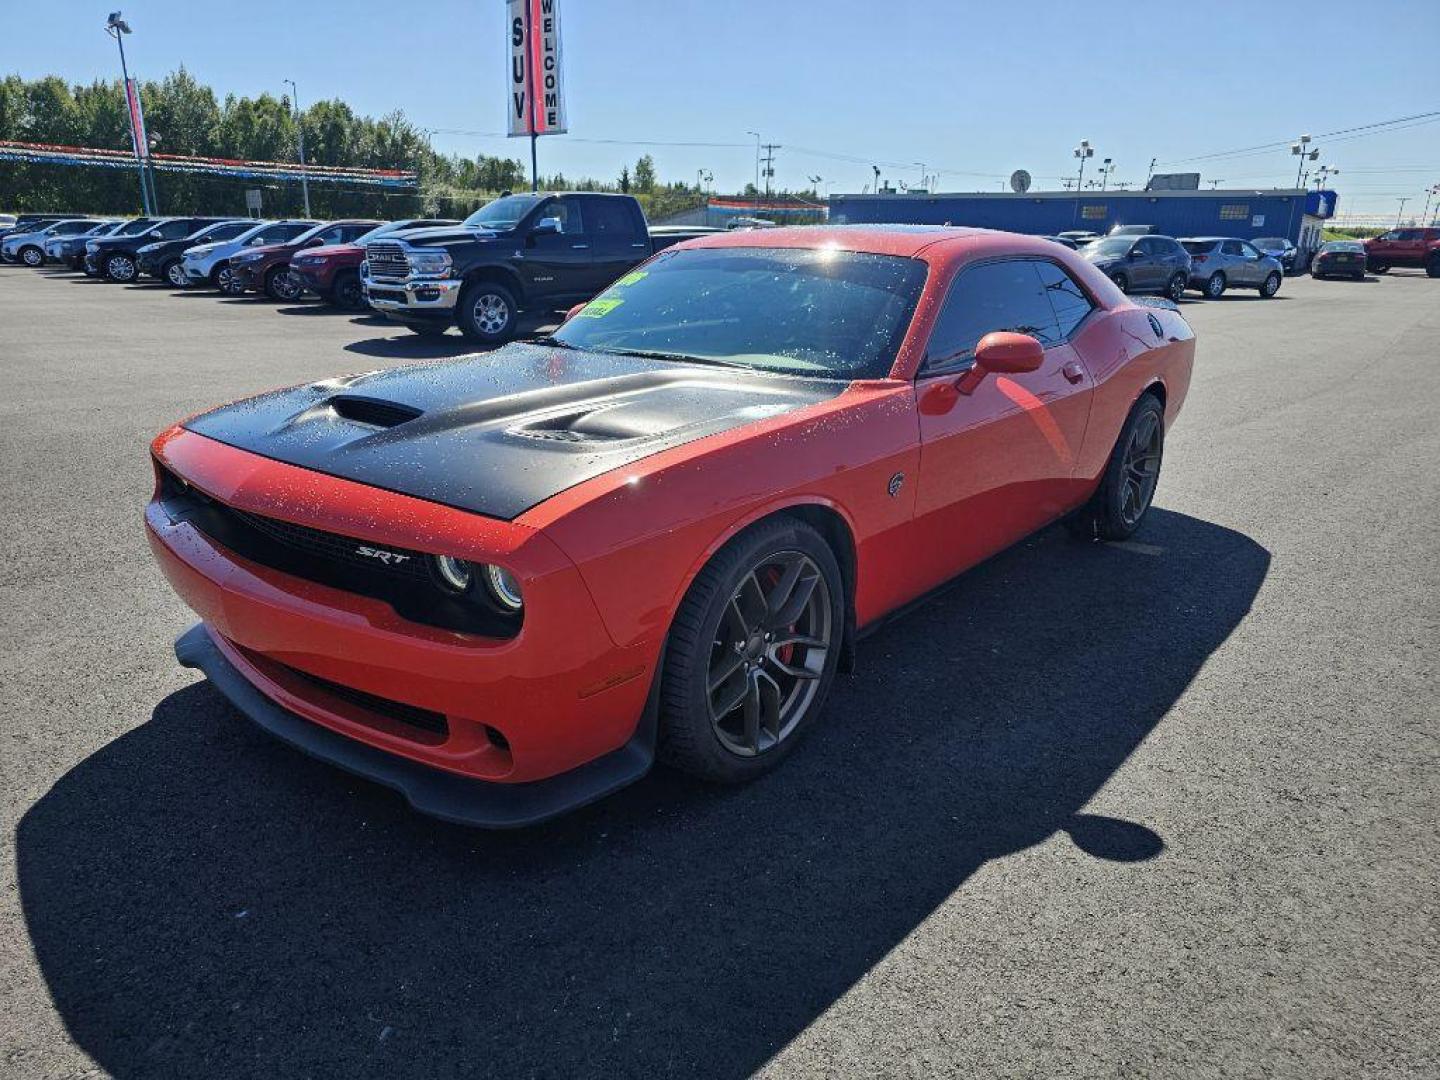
1020, 181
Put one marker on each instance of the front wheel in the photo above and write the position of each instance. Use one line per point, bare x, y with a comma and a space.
1215, 286
280, 284
32, 256
1121, 282
1270, 286
1128, 485
752, 652
1175, 289
174, 273
226, 283
120, 268
486, 313
347, 292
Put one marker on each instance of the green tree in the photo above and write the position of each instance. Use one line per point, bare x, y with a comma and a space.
645, 174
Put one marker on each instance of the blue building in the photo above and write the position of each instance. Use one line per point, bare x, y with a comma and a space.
1290, 212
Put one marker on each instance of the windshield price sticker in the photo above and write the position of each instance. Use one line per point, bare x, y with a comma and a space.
598, 309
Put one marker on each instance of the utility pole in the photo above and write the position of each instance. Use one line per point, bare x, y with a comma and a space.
757, 170
300, 137
770, 149
1149, 174
117, 27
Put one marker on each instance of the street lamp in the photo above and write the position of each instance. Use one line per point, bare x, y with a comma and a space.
924, 176
300, 137
1301, 149
1401, 213
1083, 151
1106, 168
1322, 176
117, 27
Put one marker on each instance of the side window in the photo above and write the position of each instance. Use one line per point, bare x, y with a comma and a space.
174, 230
1067, 299
1147, 247
567, 209
350, 233
1410, 234
611, 218
1231, 247
335, 235
993, 296
1250, 251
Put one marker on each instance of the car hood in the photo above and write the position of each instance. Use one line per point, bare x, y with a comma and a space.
265, 249
498, 433
329, 251
439, 234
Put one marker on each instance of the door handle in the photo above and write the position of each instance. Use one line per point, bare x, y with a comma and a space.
580, 247
638, 244
1073, 371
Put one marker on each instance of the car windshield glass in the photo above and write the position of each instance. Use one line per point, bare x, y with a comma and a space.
1118, 246
1343, 245
502, 214
795, 311
1197, 247
138, 225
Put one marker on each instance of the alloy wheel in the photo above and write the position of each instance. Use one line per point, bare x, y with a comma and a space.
491, 313
349, 294
769, 653
32, 257
1141, 468
1271, 285
175, 274
120, 268
285, 285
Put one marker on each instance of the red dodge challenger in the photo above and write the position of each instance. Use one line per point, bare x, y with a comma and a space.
506, 583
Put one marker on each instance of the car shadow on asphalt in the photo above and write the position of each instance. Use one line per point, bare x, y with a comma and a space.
205, 901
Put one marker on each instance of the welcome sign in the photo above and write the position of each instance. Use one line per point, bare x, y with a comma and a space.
537, 85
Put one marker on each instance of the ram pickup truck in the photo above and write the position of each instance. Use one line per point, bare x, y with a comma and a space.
332, 272
1418, 248
540, 252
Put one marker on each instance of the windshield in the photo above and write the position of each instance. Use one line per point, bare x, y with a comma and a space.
1197, 247
1116, 246
1342, 245
502, 214
794, 311
135, 225
1270, 242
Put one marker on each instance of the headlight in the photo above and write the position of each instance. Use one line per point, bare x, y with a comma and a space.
91, 246
505, 586
144, 248
435, 263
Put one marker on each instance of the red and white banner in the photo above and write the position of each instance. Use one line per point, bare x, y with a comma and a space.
137, 119
537, 84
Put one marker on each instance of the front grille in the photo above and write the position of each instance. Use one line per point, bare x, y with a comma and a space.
398, 576
387, 261
412, 715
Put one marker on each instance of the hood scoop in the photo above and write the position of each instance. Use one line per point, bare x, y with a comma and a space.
373, 412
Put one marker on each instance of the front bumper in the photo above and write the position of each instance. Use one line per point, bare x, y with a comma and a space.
567, 701
245, 277
445, 795
414, 296
317, 279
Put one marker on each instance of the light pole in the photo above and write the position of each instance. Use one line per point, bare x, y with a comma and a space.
1106, 168
1401, 212
1322, 176
1083, 151
923, 176
1301, 149
1425, 214
300, 138
117, 27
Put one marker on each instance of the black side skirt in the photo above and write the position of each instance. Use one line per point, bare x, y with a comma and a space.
440, 794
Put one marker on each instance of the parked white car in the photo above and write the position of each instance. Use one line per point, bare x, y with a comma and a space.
208, 264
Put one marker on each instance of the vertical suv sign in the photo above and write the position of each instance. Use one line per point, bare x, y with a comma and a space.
137, 119
537, 87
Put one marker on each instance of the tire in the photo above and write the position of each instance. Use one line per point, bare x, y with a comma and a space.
1123, 498
1378, 268
486, 313
1215, 286
279, 285
427, 329
1318, 277
226, 283
1121, 282
173, 273
347, 291
1175, 288
1270, 286
1432, 266
32, 256
731, 704
121, 268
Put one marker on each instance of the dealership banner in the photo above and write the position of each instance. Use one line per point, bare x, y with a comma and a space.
137, 119
537, 85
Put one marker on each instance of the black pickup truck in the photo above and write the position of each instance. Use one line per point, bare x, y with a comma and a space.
542, 252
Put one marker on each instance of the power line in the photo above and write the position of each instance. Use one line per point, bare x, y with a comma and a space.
1427, 117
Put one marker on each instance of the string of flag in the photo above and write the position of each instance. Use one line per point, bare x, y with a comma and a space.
232, 168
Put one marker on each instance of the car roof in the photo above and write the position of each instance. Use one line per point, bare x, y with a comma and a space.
1207, 239
904, 240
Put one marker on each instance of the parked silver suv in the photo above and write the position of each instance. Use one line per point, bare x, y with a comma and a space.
1218, 263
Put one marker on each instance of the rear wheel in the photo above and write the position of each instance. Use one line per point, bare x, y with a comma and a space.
1215, 286
752, 652
174, 273
1378, 268
1122, 282
120, 268
347, 291
486, 313
1270, 286
1128, 486
280, 284
1432, 266
1175, 289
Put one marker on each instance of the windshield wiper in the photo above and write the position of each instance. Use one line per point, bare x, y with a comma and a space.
677, 358
553, 342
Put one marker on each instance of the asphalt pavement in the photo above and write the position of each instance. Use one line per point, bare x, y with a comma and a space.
1157, 809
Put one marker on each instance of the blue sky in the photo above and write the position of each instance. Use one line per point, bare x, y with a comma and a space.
976, 90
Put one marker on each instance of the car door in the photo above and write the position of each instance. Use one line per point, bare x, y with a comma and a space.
618, 236
1254, 260
556, 266
1153, 271
1232, 260
999, 462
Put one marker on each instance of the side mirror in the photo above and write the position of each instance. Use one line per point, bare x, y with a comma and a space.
574, 311
546, 225
1005, 353
314, 241
155, 235
1135, 253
